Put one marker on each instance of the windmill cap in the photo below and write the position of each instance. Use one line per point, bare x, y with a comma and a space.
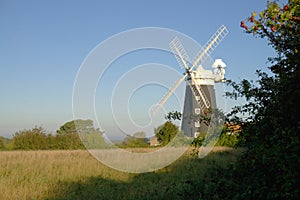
218, 63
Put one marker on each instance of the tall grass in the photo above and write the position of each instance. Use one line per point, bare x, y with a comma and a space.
77, 175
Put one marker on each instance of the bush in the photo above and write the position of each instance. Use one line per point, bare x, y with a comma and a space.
31, 139
166, 132
2, 145
270, 167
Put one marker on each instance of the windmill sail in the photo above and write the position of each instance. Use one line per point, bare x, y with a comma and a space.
170, 92
183, 60
180, 53
210, 46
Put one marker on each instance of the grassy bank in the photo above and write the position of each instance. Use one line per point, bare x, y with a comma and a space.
77, 175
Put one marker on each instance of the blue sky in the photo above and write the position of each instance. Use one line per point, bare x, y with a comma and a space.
43, 44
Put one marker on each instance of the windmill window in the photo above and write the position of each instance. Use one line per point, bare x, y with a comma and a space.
196, 134
197, 124
197, 111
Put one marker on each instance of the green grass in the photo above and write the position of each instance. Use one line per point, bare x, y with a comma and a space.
77, 175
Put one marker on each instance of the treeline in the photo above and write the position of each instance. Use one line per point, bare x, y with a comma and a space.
81, 134
76, 134
37, 139
3, 142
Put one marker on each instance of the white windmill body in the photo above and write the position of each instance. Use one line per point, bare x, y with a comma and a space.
200, 92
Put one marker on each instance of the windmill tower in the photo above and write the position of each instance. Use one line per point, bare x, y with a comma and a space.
199, 93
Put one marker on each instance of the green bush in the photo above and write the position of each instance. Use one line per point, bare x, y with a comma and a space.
270, 167
72, 135
31, 139
228, 139
166, 132
2, 144
137, 140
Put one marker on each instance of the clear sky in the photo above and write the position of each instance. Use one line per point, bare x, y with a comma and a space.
43, 44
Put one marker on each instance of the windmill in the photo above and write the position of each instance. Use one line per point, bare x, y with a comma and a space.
199, 93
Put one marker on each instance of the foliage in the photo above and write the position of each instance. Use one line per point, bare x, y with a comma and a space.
76, 134
38, 139
35, 138
270, 167
166, 132
2, 143
66, 141
94, 140
77, 126
79, 134
202, 118
137, 140
174, 115
197, 143
228, 139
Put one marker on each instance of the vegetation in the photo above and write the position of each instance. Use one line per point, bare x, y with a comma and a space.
35, 138
229, 137
77, 126
81, 134
270, 167
166, 132
76, 134
75, 174
137, 140
2, 143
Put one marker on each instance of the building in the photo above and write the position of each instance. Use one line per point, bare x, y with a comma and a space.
154, 142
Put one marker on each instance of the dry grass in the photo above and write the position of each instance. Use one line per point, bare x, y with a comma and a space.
40, 174
32, 174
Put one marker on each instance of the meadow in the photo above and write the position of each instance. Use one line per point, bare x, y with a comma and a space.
75, 174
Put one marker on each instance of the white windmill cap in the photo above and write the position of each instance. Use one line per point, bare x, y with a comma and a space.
218, 63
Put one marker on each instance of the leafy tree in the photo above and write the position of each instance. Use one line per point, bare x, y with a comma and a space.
67, 141
77, 126
166, 132
174, 115
202, 118
94, 140
2, 145
35, 138
5, 143
270, 167
228, 139
137, 140
77, 134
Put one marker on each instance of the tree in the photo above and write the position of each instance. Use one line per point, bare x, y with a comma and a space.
174, 115
31, 139
166, 132
2, 145
270, 167
77, 126
77, 134
137, 140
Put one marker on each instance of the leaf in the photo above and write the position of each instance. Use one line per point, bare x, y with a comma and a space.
261, 14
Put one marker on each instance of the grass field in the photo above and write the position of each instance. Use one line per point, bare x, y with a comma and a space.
77, 175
